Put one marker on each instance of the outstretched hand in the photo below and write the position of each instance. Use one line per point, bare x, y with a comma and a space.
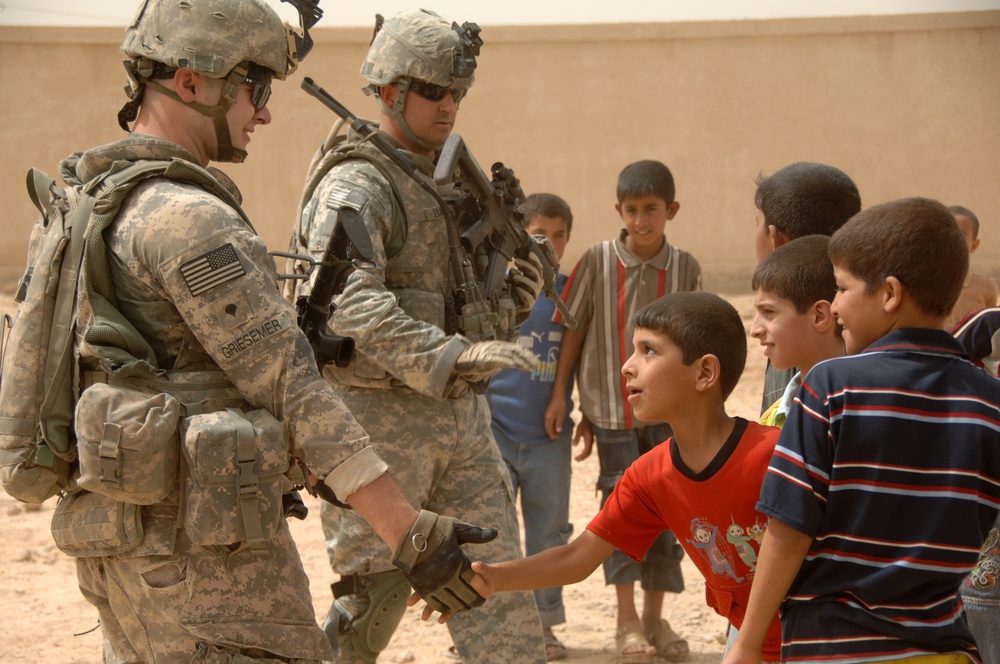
482, 582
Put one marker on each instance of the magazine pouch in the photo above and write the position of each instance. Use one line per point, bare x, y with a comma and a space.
233, 482
127, 443
86, 525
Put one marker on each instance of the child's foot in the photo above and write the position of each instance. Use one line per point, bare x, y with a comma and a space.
669, 645
554, 649
632, 646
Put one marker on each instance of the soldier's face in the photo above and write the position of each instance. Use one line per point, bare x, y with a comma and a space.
431, 121
244, 117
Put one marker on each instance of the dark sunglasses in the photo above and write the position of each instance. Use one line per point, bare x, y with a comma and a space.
259, 79
434, 92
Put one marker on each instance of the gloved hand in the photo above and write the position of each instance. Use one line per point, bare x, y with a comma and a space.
526, 283
550, 253
433, 563
484, 358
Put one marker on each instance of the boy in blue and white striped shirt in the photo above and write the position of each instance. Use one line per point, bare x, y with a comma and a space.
886, 478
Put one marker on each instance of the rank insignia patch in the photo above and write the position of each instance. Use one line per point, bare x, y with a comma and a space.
213, 269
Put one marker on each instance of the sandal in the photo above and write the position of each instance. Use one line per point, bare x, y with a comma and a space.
669, 644
554, 649
631, 644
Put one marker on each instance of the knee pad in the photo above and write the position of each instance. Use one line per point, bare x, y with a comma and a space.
372, 615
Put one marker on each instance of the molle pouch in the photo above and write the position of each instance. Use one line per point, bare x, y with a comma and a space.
127, 443
86, 525
235, 476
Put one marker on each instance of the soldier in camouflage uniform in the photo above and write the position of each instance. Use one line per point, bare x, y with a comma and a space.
415, 383
180, 299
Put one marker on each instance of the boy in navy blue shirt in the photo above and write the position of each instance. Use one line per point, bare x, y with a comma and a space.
539, 465
886, 477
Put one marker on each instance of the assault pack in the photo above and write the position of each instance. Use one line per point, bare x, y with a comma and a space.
39, 384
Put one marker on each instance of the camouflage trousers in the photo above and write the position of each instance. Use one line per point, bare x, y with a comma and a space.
443, 457
206, 604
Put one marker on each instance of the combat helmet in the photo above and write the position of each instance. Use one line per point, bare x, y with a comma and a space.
242, 41
420, 45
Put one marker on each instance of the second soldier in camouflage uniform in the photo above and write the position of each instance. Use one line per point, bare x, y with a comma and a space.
413, 382
192, 560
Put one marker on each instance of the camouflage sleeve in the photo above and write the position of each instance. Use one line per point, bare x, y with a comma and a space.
201, 257
415, 352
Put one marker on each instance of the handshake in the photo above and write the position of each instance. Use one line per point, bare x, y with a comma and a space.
432, 561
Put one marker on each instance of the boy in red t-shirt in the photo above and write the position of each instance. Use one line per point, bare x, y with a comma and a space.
690, 350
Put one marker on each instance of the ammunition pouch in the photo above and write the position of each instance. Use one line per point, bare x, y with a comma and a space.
225, 468
235, 476
127, 443
86, 525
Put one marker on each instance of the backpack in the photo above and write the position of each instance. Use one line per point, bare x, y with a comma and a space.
38, 382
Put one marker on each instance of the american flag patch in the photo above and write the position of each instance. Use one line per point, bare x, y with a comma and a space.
341, 196
212, 269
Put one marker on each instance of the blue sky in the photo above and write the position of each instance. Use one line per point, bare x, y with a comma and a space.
505, 12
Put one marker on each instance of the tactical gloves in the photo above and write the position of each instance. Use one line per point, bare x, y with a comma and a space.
433, 562
526, 281
484, 358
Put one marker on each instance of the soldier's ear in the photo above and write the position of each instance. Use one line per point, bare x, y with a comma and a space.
186, 84
389, 94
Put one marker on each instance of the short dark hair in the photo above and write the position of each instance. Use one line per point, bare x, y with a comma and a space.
806, 198
547, 205
799, 271
959, 211
646, 178
915, 240
700, 324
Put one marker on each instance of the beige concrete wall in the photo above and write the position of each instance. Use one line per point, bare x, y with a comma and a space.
907, 105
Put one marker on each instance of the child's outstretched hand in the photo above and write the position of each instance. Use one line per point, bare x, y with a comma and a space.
481, 583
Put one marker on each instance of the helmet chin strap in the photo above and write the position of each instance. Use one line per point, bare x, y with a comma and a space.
226, 151
396, 113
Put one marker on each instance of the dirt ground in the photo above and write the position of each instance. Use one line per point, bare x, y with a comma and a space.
47, 620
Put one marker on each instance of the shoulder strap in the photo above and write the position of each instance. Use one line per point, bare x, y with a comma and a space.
40, 185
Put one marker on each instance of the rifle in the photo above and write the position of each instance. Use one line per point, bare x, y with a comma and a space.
497, 223
314, 309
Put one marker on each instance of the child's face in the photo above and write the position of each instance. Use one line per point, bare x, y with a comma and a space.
861, 314
553, 228
968, 232
784, 333
645, 218
657, 380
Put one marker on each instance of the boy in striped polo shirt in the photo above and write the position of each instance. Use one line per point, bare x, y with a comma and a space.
886, 478
612, 281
